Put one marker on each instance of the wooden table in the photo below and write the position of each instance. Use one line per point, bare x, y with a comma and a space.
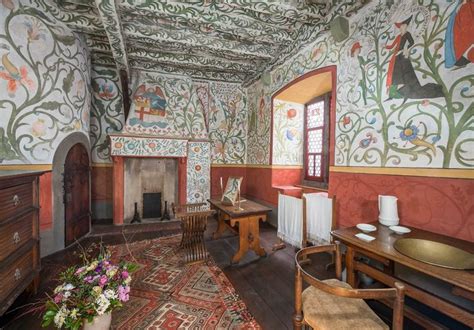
382, 250
246, 219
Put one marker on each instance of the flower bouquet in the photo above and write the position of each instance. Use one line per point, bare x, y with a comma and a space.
88, 292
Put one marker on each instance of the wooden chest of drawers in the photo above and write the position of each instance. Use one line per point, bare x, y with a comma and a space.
19, 234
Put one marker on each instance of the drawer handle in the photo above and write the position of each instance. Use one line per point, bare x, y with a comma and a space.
17, 274
16, 238
16, 200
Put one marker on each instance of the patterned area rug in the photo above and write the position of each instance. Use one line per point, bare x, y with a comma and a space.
168, 294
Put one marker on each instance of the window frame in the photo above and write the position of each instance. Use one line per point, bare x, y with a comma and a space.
323, 179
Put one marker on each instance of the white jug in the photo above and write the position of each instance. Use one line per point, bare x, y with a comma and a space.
388, 212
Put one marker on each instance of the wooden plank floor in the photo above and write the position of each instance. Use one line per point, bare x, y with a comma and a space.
265, 284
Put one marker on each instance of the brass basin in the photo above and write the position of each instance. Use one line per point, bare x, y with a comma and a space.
435, 253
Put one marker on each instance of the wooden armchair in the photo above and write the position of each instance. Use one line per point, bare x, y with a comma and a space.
193, 225
333, 304
183, 208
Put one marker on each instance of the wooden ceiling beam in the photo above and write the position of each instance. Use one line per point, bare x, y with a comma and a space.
195, 62
207, 29
178, 48
217, 45
195, 74
302, 11
205, 15
112, 25
195, 56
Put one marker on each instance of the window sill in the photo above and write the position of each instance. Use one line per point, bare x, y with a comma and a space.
311, 187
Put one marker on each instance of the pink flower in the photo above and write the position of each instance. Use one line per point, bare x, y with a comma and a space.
123, 293
79, 270
124, 274
58, 298
103, 280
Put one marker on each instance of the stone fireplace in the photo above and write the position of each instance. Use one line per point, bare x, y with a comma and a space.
179, 169
146, 177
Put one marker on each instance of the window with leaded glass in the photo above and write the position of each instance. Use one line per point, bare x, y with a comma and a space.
316, 139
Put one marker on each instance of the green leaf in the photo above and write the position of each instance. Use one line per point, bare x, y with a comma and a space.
52, 105
67, 82
67, 40
6, 150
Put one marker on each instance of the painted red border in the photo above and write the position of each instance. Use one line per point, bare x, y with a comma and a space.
332, 107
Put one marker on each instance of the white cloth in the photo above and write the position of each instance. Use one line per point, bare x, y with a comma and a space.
290, 219
318, 217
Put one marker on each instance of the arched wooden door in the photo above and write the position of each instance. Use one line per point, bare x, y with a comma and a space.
76, 194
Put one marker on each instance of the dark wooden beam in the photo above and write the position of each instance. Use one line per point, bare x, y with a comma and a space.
125, 93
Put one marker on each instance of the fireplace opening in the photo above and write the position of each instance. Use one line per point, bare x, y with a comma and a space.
151, 205
149, 182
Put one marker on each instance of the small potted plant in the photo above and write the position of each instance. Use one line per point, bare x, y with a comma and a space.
88, 294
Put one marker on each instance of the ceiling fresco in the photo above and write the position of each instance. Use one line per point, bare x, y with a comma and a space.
229, 40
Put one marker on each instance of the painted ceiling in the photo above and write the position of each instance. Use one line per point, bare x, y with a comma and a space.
230, 40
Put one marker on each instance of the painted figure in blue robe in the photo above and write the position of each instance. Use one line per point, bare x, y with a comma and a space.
459, 47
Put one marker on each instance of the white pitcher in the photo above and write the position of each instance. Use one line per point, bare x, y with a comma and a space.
388, 212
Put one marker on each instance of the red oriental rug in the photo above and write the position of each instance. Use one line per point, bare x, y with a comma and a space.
168, 294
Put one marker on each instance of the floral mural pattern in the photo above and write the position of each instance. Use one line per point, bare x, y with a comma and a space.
259, 122
199, 172
287, 133
228, 123
147, 147
399, 103
44, 75
106, 111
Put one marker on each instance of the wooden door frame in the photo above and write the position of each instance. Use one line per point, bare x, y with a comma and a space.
84, 150
52, 240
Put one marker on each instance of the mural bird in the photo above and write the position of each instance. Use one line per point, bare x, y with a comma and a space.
364, 143
410, 134
14, 76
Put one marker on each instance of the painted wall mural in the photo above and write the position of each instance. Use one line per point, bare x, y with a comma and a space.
44, 75
288, 136
135, 146
106, 111
165, 105
259, 123
198, 172
405, 85
227, 118
177, 106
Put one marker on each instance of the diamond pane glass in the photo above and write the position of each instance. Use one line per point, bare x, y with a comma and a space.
310, 165
317, 165
315, 141
315, 114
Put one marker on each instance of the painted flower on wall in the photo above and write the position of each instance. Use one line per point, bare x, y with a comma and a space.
34, 30
8, 4
291, 113
219, 149
365, 143
77, 124
410, 133
38, 128
14, 76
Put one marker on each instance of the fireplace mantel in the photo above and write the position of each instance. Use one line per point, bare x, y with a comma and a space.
193, 165
139, 146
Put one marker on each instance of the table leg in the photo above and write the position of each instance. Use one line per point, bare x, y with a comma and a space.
221, 225
351, 275
249, 237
